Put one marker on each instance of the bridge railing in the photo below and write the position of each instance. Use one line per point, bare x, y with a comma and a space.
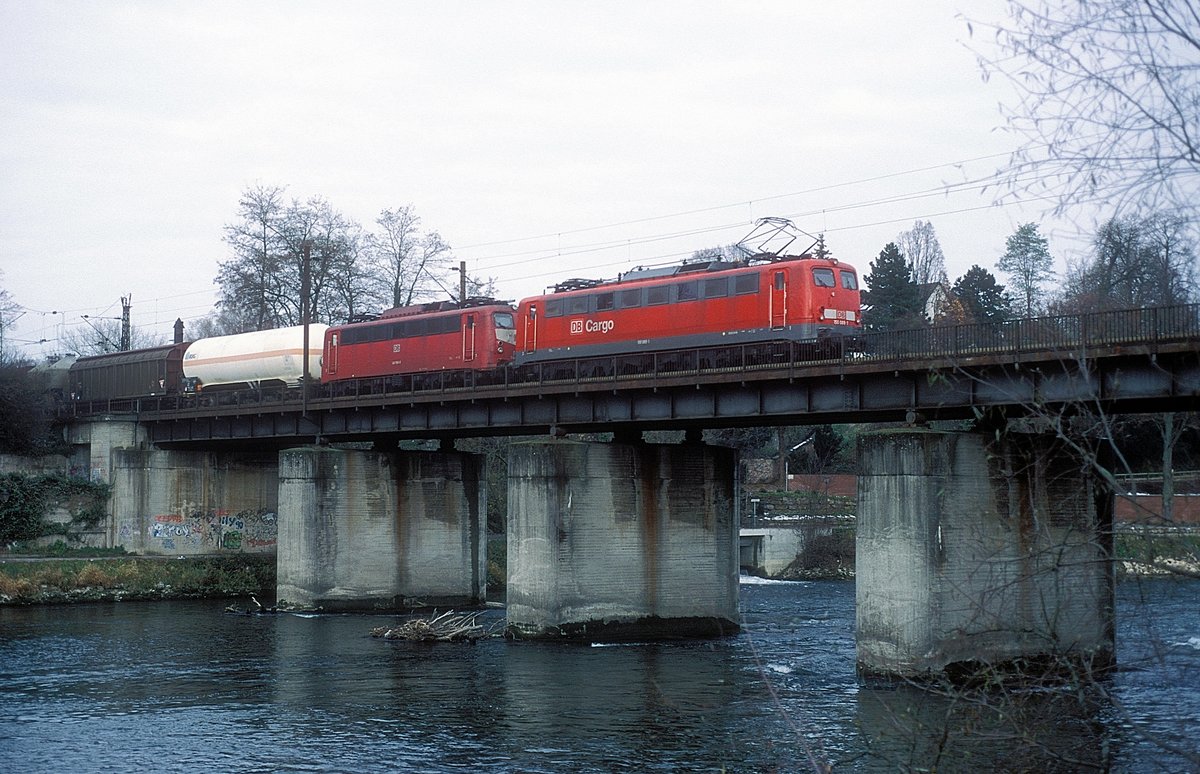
1060, 333
1070, 335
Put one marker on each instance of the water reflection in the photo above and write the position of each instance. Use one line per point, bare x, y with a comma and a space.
181, 686
913, 728
647, 699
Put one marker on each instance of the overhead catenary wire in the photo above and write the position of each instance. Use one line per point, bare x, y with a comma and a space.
552, 257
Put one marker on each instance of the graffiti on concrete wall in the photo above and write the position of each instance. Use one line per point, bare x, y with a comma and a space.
251, 531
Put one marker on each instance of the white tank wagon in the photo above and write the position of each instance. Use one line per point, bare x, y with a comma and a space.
254, 358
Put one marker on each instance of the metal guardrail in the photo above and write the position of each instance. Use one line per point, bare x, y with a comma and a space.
1013, 339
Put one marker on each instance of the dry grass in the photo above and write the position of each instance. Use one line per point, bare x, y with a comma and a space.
57, 580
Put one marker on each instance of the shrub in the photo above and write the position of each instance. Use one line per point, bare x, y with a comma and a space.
25, 501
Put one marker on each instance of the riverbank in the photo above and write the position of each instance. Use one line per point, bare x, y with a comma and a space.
29, 580
1157, 550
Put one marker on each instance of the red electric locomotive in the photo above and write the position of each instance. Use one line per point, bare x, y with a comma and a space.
419, 339
702, 304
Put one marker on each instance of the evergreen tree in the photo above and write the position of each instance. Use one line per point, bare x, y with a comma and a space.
818, 452
892, 299
1028, 264
983, 298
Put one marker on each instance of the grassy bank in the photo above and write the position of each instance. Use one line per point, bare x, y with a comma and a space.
54, 580
1142, 551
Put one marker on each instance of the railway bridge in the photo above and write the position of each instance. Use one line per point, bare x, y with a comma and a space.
981, 546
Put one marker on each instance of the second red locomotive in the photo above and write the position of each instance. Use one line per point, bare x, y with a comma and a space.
417, 339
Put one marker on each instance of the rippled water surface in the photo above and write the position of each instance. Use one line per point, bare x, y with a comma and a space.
182, 686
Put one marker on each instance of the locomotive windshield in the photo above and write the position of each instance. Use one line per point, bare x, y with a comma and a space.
504, 320
823, 278
849, 281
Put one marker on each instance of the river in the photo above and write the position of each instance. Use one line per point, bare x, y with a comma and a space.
183, 686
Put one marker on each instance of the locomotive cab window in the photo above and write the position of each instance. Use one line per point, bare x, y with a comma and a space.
823, 278
849, 281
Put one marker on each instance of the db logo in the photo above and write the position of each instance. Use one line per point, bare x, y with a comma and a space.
576, 327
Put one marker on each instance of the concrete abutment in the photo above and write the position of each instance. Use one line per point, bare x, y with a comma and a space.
621, 541
187, 503
978, 555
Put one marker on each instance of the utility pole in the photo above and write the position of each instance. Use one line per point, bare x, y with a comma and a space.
462, 282
305, 290
126, 337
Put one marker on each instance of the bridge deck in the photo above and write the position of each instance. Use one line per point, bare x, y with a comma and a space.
1134, 360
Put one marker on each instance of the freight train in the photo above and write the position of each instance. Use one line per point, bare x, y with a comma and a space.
644, 311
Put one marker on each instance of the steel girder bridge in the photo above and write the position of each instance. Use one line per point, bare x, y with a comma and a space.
1129, 361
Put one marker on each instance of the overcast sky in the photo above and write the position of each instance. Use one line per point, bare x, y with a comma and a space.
543, 140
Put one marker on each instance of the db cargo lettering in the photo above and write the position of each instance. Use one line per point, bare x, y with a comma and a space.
592, 326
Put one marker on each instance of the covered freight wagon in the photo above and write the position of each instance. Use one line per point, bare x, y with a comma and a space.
255, 359
131, 374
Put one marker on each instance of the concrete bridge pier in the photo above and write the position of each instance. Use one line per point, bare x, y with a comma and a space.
611, 541
979, 558
366, 530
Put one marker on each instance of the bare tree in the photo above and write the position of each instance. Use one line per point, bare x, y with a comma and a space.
100, 335
1171, 249
478, 286
718, 253
8, 315
333, 253
924, 253
217, 323
352, 287
249, 279
1136, 263
261, 283
1108, 98
407, 261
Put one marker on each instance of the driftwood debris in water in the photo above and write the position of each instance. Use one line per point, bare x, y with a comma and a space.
258, 609
446, 627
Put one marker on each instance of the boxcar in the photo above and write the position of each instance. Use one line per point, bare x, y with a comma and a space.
132, 374
420, 339
796, 298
